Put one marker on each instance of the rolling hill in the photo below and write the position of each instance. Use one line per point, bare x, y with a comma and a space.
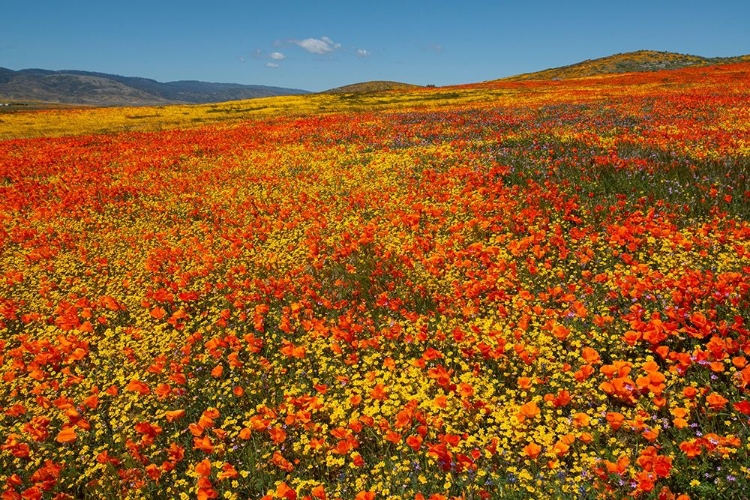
102, 89
629, 62
372, 86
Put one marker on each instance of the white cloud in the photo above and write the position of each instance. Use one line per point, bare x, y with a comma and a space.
322, 45
277, 56
271, 65
362, 53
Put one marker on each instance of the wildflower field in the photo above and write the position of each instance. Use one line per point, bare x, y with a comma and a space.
501, 290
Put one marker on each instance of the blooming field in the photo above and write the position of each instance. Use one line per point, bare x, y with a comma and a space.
501, 291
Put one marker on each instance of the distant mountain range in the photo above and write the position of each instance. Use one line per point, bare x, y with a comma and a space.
629, 62
102, 89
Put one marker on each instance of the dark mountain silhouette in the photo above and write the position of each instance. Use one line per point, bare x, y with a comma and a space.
102, 89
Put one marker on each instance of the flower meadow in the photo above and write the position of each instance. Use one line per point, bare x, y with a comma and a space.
503, 290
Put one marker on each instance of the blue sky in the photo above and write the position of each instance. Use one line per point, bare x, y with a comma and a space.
316, 45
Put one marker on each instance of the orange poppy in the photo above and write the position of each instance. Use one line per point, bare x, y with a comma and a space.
277, 434
174, 415
203, 468
414, 442
528, 410
716, 401
67, 435
283, 490
379, 392
532, 450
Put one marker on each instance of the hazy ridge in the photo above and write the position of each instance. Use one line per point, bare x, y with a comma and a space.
90, 88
